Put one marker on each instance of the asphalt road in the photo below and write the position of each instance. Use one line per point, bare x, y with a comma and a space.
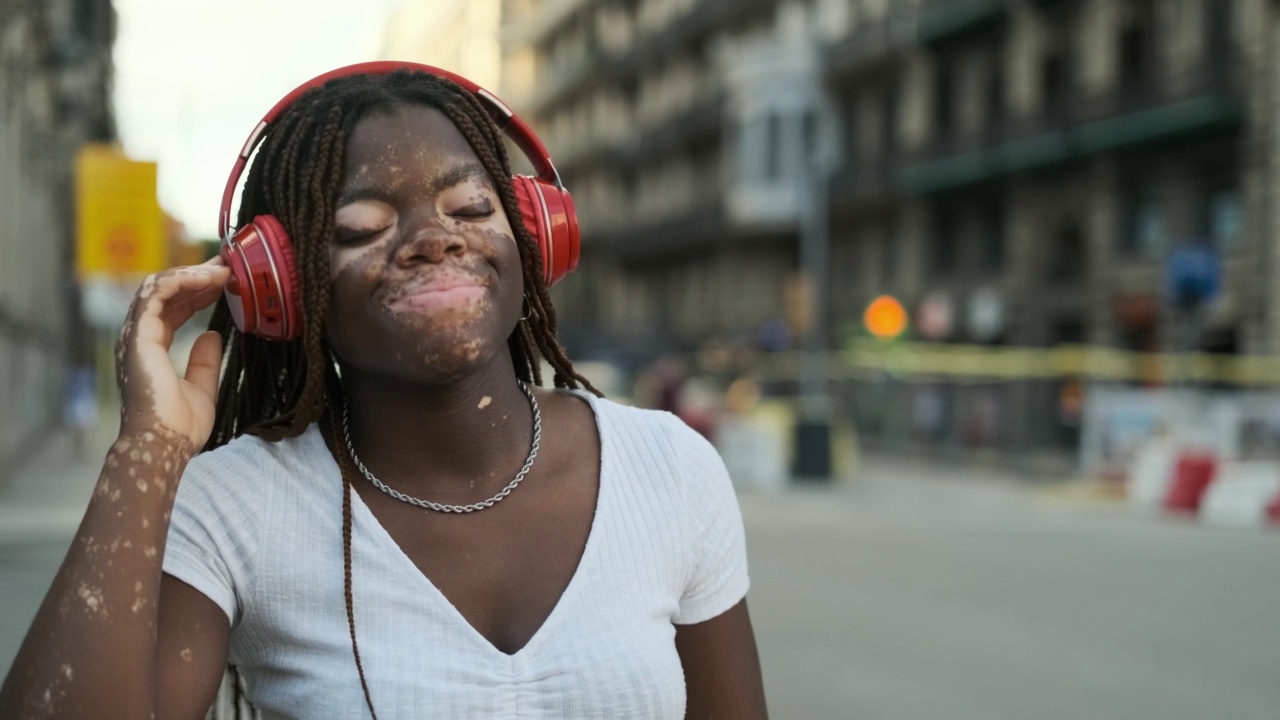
913, 592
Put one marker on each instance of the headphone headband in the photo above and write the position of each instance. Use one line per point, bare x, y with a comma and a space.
508, 121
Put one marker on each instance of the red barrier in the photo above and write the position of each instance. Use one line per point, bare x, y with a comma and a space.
1273, 512
1192, 475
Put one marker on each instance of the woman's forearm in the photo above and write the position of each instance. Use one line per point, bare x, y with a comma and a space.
91, 649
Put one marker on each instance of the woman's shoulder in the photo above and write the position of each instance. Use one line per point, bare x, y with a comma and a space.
656, 439
644, 425
249, 458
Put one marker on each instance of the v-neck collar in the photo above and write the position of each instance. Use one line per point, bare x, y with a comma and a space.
364, 517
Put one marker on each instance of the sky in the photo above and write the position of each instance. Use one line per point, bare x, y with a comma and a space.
193, 78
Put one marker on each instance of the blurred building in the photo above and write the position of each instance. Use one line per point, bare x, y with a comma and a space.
635, 101
457, 35
55, 80
1016, 172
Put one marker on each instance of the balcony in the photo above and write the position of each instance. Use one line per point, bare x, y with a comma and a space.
943, 21
561, 84
552, 16
1130, 117
681, 36
700, 120
863, 189
659, 239
872, 46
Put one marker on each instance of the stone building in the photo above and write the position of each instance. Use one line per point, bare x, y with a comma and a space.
1046, 158
55, 81
457, 35
1016, 172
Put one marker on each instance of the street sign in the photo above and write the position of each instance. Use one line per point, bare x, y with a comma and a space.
119, 225
1193, 274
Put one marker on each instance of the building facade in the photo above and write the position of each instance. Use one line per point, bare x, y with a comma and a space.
1016, 172
55, 81
457, 35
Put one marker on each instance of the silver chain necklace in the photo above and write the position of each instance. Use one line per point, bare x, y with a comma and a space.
438, 507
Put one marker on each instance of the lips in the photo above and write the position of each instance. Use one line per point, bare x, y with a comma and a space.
441, 293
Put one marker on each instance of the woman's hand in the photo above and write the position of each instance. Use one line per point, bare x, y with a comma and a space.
153, 397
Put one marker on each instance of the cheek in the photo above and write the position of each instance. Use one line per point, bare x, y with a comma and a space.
345, 261
351, 274
504, 253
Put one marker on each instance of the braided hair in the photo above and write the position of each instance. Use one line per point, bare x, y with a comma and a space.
276, 390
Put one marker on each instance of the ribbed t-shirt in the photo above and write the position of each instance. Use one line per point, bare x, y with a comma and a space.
257, 527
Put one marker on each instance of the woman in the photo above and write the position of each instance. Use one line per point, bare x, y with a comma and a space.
601, 571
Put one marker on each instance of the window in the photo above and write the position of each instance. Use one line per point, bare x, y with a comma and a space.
1054, 83
942, 100
810, 141
1067, 331
1067, 255
1137, 47
995, 92
993, 237
889, 123
887, 147
1144, 232
753, 143
1223, 221
852, 132
773, 147
1219, 30
942, 243
889, 260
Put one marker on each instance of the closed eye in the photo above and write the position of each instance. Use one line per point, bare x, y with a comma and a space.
353, 236
473, 212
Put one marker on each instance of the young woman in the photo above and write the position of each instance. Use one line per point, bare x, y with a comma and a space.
390, 518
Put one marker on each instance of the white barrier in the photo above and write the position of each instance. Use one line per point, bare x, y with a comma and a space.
1151, 473
1241, 493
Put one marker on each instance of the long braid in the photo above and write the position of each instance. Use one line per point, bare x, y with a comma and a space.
348, 591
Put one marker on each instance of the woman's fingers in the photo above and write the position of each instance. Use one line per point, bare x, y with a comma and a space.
179, 310
205, 363
166, 301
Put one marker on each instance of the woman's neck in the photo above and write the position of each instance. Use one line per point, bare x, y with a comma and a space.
452, 443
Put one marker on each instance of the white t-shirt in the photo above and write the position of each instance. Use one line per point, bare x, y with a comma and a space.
257, 527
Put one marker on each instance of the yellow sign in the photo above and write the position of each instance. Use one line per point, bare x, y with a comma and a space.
119, 225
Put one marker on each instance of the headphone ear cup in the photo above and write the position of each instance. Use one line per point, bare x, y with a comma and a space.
263, 293
285, 292
549, 216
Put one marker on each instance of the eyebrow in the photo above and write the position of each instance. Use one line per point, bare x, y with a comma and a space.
461, 172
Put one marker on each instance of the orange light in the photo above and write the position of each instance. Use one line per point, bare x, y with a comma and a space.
885, 318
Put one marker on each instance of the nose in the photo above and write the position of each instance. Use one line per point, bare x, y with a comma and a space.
429, 244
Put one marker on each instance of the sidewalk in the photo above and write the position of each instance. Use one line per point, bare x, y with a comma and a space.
45, 501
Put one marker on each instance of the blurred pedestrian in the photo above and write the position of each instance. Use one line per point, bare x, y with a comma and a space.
80, 409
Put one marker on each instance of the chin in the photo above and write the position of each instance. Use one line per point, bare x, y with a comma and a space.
437, 363
433, 349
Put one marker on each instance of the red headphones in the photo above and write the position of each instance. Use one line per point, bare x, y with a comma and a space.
263, 290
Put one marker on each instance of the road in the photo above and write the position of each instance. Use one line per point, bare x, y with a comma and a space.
916, 594
912, 592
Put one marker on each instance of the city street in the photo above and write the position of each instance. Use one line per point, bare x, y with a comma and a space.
913, 593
